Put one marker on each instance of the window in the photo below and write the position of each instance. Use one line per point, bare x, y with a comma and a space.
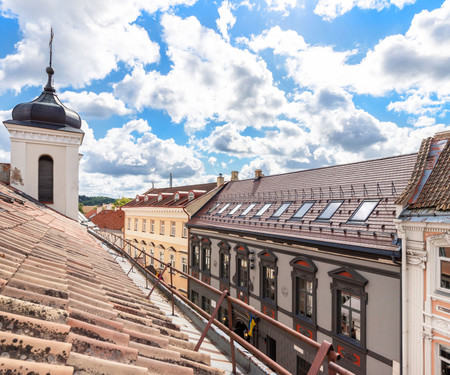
223, 208
268, 276
304, 284
248, 209
194, 297
303, 210
195, 251
144, 225
173, 228
184, 265
263, 209
330, 210
135, 224
206, 254
161, 231
45, 182
172, 260
176, 197
235, 208
160, 197
349, 313
284, 206
349, 304
152, 226
268, 281
213, 208
444, 359
152, 253
224, 272
364, 210
206, 304
444, 266
129, 223
161, 259
191, 196
242, 268
185, 231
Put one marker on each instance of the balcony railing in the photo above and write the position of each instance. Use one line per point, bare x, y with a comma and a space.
324, 350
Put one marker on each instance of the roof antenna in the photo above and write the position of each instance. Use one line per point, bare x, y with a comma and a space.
50, 44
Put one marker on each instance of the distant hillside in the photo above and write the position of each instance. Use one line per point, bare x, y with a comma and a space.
94, 201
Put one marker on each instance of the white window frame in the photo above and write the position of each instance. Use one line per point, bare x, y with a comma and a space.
162, 227
129, 223
136, 224
173, 228
185, 230
144, 225
152, 226
184, 264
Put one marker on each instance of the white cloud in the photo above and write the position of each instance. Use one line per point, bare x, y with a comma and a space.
91, 38
417, 104
330, 9
282, 42
424, 121
282, 5
90, 104
209, 80
226, 19
5, 143
212, 160
133, 152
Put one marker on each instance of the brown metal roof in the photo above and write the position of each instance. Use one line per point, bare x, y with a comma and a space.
429, 186
381, 180
152, 201
67, 307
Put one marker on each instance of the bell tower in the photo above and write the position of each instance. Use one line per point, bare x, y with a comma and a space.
45, 139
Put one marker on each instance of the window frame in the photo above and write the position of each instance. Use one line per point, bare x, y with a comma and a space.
205, 255
194, 253
46, 179
185, 231
353, 221
129, 223
234, 209
268, 260
162, 227
304, 268
275, 216
136, 224
152, 226
224, 250
222, 209
340, 201
184, 264
144, 225
294, 217
173, 228
262, 210
242, 254
247, 210
346, 279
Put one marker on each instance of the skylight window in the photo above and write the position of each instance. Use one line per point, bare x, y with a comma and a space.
284, 206
263, 209
235, 209
364, 210
213, 208
248, 209
330, 210
304, 208
223, 209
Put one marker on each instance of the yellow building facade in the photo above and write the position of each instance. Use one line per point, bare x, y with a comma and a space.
155, 222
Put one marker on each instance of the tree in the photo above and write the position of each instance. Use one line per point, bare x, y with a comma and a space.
80, 207
120, 202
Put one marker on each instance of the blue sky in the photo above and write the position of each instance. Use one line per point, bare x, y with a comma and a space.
198, 88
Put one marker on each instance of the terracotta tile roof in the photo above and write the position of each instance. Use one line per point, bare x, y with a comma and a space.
168, 196
91, 213
110, 219
429, 186
67, 307
380, 180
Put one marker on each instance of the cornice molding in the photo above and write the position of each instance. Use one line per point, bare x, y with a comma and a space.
45, 136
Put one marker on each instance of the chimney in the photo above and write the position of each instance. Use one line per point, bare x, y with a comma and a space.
170, 180
220, 180
234, 176
258, 174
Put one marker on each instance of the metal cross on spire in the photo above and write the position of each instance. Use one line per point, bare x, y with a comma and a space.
50, 43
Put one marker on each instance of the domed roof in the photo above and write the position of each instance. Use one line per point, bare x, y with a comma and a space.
47, 110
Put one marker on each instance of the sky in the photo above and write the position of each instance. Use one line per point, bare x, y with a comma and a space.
200, 87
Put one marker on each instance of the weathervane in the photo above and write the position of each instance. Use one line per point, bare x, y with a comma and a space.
50, 43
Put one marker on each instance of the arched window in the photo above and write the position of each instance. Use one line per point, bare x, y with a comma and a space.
45, 187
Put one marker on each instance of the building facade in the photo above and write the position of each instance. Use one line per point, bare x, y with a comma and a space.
316, 250
424, 227
45, 138
156, 223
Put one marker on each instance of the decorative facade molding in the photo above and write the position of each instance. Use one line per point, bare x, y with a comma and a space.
427, 336
416, 258
22, 135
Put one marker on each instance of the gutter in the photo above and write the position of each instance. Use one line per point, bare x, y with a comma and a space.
384, 253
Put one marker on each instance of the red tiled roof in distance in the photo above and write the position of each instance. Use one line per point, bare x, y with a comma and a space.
381, 180
110, 219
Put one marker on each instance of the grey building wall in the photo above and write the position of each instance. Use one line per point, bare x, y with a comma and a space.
382, 309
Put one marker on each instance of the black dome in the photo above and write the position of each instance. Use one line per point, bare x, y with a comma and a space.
47, 109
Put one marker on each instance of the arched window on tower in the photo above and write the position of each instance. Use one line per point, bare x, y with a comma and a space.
45, 188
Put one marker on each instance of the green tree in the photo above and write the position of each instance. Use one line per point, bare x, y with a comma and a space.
121, 201
80, 207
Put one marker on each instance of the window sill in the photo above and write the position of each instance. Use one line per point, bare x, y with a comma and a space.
353, 343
